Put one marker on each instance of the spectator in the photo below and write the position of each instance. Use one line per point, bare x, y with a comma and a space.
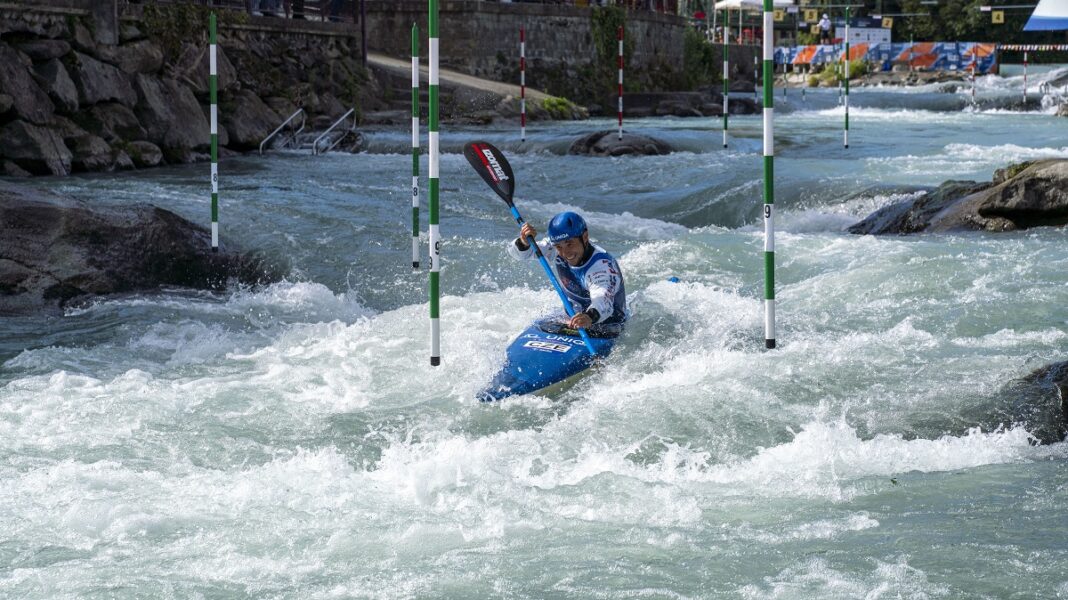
825, 29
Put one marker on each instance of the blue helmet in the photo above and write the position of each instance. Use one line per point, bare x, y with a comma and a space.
565, 226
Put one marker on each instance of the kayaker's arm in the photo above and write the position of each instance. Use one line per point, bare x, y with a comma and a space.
519, 249
602, 281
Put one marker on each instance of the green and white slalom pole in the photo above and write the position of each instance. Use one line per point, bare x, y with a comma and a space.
415, 146
213, 87
845, 132
434, 235
726, 74
619, 34
522, 84
769, 177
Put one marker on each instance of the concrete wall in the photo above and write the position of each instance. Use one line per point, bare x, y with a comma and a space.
482, 39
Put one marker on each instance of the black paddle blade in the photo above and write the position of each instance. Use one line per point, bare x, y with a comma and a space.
493, 167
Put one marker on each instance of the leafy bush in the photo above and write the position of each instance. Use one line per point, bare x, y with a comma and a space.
558, 108
699, 59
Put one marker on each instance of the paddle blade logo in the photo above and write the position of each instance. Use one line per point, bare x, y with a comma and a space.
492, 166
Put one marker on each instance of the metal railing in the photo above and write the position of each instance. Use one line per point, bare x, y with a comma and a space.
315, 144
312, 10
303, 121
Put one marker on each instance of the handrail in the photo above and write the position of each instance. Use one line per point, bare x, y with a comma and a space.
296, 134
286, 122
315, 144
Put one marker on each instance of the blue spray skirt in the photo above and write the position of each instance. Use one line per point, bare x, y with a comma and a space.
538, 359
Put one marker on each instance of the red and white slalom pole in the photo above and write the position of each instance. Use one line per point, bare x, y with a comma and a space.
620, 108
522, 84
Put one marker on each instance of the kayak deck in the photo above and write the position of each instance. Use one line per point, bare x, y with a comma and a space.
538, 359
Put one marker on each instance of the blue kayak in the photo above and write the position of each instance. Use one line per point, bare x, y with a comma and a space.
538, 359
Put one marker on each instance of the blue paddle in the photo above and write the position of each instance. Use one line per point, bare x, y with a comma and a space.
495, 170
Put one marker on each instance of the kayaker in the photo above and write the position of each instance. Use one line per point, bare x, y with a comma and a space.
590, 277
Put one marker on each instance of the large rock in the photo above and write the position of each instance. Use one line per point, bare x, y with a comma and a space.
145, 154
141, 56
112, 121
1062, 110
10, 169
679, 104
66, 129
58, 84
1038, 401
913, 216
28, 100
1031, 195
55, 250
39, 150
172, 117
91, 154
46, 28
606, 143
191, 68
43, 50
82, 38
100, 82
249, 121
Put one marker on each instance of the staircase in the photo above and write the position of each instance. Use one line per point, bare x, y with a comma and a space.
336, 137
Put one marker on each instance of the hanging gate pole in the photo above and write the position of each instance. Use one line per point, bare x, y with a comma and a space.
415, 146
769, 178
845, 132
619, 34
213, 87
434, 235
726, 74
522, 84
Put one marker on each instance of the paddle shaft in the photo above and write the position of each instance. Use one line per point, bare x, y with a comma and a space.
552, 277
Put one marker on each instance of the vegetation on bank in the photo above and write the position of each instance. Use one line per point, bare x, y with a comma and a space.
171, 25
700, 61
828, 75
558, 108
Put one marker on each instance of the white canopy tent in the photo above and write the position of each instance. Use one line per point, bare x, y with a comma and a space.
745, 5
1049, 15
753, 5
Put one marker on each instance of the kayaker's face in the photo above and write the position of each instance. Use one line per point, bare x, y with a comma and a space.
573, 249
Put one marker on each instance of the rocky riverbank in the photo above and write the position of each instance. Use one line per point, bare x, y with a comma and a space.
71, 103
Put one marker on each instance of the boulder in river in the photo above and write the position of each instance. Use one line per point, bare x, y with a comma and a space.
607, 143
55, 250
1022, 196
1039, 402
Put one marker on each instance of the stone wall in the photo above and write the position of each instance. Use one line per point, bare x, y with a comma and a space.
482, 39
86, 89
85, 86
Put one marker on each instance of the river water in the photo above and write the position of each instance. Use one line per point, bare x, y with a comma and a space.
293, 441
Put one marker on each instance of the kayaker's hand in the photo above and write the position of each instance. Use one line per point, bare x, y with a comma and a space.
580, 321
527, 232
